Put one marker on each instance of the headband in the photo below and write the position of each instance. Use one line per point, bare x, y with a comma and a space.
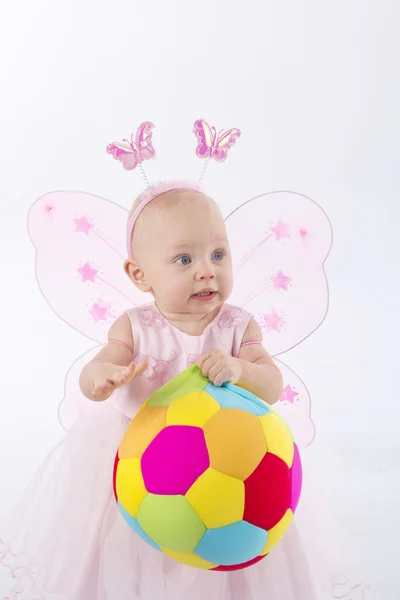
132, 153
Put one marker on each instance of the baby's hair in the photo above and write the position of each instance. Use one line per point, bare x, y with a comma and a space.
166, 200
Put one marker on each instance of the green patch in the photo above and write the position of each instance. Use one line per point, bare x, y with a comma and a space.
171, 522
190, 380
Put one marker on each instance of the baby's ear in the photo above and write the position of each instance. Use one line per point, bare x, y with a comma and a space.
136, 275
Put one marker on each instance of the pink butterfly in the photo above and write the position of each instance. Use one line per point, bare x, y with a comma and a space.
131, 153
211, 144
279, 244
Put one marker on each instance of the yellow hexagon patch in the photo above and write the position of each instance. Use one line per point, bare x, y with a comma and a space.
192, 409
189, 559
278, 438
129, 485
276, 533
218, 499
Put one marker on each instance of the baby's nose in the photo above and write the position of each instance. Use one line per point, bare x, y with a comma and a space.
205, 272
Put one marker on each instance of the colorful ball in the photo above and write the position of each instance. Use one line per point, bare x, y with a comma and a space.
208, 475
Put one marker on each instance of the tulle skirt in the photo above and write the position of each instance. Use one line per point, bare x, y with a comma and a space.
67, 540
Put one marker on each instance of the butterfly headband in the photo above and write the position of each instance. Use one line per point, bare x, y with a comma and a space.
132, 153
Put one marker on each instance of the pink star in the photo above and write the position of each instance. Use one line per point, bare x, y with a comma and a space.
99, 311
281, 281
281, 230
288, 395
83, 225
273, 321
87, 272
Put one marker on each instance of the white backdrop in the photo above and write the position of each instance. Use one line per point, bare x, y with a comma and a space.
314, 87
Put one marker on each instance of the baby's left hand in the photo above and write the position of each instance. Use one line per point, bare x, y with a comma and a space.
220, 367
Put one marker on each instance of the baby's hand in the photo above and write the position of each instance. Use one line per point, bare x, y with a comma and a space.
220, 367
110, 377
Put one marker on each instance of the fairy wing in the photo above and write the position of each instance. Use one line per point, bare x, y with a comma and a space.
294, 406
80, 254
79, 260
224, 142
74, 404
280, 242
143, 140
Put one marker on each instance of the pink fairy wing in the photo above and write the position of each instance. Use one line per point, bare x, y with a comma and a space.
144, 140
80, 252
294, 406
125, 153
280, 242
224, 142
205, 137
74, 404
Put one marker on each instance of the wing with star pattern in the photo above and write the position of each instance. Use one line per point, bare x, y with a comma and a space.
80, 252
279, 244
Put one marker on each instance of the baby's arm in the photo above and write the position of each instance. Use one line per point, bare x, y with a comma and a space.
113, 365
259, 373
253, 369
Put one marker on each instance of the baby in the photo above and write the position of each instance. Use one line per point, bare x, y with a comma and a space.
181, 256
69, 541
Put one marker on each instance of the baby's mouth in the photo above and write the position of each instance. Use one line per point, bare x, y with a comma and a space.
205, 295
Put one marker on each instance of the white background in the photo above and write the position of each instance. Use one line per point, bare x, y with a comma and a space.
314, 87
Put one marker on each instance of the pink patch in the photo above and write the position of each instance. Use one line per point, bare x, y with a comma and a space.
116, 461
174, 460
296, 475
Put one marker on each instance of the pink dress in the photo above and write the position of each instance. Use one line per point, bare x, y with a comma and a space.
68, 541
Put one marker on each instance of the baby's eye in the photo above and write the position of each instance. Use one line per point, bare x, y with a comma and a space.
218, 255
184, 260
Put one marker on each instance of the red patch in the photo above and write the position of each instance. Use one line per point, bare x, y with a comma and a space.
244, 565
267, 493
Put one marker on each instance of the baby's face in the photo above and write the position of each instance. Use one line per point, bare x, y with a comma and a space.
185, 256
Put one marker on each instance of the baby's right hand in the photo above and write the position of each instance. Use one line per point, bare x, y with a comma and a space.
110, 377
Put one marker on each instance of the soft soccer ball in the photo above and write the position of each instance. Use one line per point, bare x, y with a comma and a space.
208, 475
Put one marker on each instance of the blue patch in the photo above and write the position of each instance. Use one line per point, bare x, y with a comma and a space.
232, 545
134, 524
232, 396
